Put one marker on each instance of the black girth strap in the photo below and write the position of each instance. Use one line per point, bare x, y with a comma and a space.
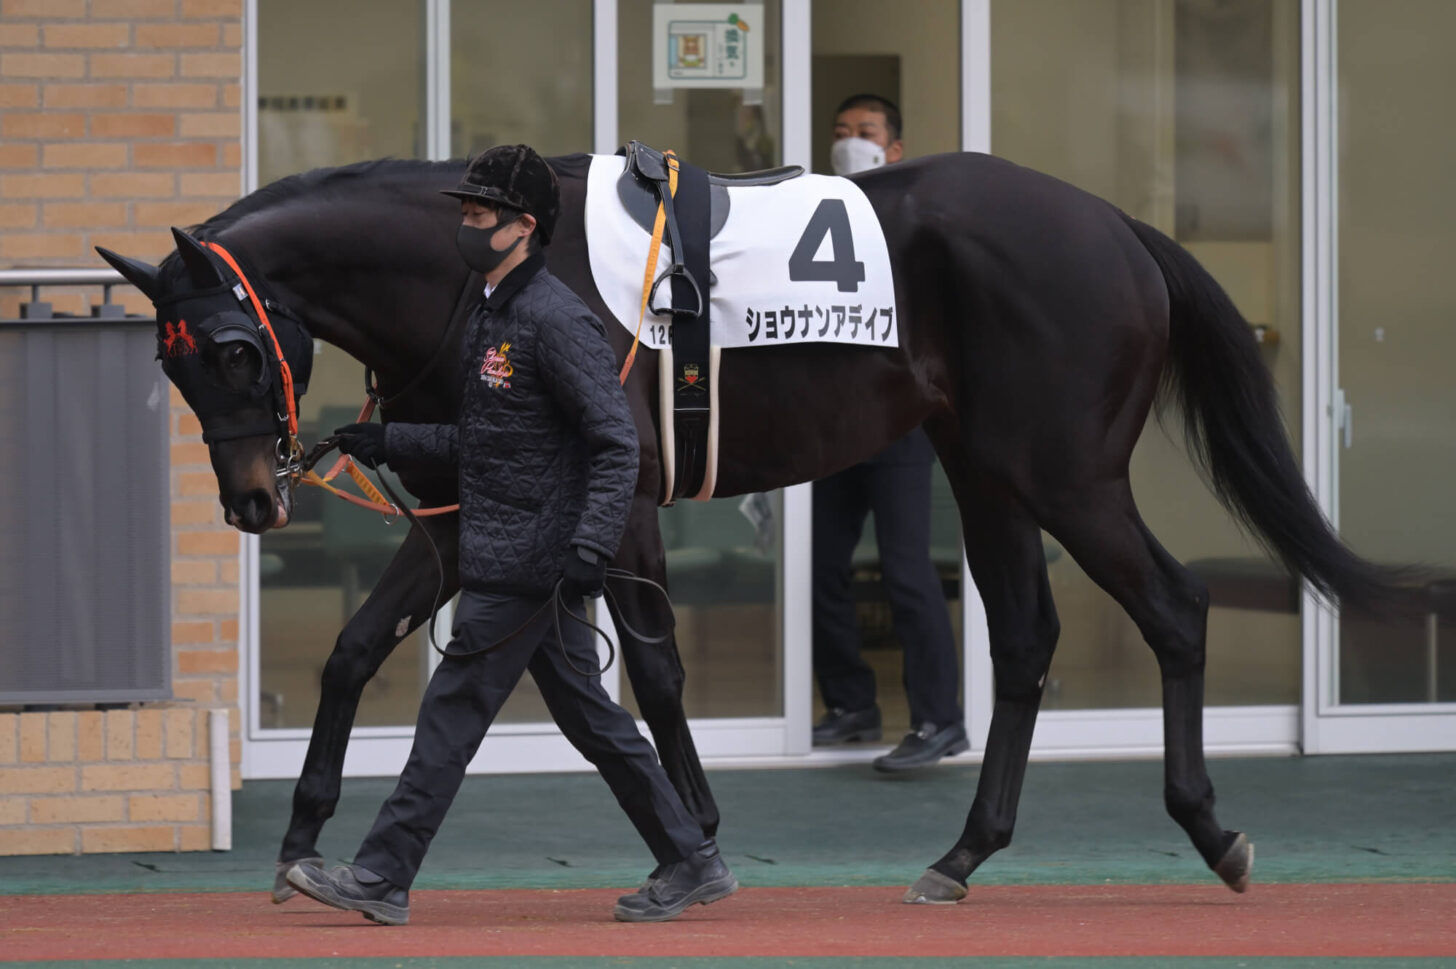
690, 340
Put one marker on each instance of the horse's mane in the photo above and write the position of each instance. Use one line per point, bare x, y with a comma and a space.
318, 185
325, 185
321, 185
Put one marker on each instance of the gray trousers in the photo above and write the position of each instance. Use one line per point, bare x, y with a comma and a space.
463, 698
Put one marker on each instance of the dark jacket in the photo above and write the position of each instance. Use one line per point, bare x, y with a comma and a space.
545, 443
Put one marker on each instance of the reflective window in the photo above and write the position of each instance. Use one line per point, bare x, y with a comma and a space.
723, 557
1397, 301
721, 129
339, 81
1184, 113
723, 565
908, 54
330, 96
521, 74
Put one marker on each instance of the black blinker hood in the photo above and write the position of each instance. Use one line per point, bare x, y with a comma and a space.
225, 314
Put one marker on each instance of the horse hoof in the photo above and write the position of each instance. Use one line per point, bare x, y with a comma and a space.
282, 891
1236, 864
933, 888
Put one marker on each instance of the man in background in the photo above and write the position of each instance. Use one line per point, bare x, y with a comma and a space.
895, 485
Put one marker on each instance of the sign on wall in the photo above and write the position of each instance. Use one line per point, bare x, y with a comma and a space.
707, 45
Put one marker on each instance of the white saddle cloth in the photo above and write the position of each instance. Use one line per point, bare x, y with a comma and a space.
764, 296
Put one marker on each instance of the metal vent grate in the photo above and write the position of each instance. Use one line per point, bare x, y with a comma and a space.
84, 524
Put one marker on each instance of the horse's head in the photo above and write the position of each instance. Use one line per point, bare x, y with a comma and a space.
241, 363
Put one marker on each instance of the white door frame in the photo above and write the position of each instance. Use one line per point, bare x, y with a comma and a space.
1328, 726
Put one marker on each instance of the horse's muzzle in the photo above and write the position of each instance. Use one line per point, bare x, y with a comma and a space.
256, 511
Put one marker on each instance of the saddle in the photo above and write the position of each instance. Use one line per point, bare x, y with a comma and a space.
637, 189
693, 216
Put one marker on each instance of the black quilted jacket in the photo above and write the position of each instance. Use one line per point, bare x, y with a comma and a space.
545, 443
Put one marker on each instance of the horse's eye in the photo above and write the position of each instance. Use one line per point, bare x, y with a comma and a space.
234, 364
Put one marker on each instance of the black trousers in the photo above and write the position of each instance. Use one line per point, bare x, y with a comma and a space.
896, 487
464, 696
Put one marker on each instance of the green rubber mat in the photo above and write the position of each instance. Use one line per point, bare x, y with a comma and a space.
1312, 819
838, 962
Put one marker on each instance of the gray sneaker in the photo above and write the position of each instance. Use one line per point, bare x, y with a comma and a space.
282, 891
698, 879
353, 889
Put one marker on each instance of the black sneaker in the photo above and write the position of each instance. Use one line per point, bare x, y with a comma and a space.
924, 746
698, 879
353, 889
840, 726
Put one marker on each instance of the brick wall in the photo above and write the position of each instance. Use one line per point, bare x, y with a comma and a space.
118, 120
92, 781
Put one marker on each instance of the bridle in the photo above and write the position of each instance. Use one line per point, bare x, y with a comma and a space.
287, 451
280, 339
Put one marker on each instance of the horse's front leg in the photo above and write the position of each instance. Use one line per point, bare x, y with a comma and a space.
654, 669
399, 604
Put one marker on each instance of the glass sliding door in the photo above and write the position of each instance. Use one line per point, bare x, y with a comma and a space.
909, 55
339, 82
724, 556
1184, 113
328, 97
1389, 682
503, 91
521, 73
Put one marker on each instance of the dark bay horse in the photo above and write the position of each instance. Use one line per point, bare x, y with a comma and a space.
1037, 325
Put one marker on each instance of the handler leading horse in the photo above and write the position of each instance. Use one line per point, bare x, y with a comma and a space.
1037, 323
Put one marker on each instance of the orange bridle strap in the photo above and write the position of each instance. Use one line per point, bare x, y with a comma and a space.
284, 370
377, 502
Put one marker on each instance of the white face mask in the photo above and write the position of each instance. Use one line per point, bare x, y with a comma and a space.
850, 155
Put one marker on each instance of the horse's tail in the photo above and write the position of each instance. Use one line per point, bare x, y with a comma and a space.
1232, 423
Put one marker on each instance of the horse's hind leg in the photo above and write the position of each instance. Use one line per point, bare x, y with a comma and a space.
654, 669
1004, 549
1102, 530
405, 594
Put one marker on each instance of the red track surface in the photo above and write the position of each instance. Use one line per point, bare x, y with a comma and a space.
1141, 920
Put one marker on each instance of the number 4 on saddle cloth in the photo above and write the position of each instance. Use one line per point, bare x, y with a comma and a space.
756, 260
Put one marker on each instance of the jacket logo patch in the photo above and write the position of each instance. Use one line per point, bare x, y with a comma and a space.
496, 369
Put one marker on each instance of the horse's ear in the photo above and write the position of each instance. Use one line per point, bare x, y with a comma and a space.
144, 276
199, 264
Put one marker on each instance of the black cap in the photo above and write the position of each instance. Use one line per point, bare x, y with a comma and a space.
516, 177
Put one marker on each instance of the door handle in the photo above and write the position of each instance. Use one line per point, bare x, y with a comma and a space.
1344, 416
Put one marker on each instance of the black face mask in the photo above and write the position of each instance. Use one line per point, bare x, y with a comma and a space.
475, 248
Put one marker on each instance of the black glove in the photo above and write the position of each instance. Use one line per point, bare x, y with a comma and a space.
363, 442
583, 573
